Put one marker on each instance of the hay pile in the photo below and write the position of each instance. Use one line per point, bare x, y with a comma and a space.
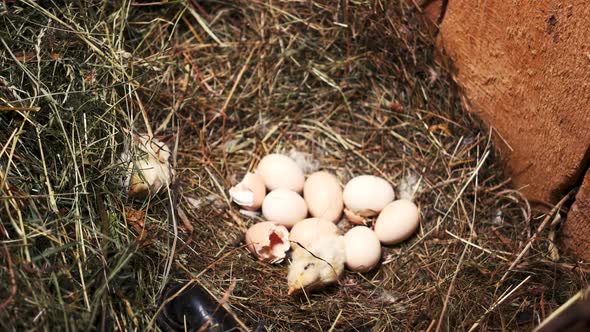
352, 84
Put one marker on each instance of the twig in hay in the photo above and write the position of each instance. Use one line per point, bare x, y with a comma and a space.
173, 200
221, 112
541, 227
21, 108
223, 300
567, 316
451, 286
12, 278
500, 301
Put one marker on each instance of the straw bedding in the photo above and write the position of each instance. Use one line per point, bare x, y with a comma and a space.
347, 86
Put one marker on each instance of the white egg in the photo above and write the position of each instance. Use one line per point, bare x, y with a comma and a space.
323, 195
363, 250
285, 207
397, 222
365, 196
280, 172
307, 231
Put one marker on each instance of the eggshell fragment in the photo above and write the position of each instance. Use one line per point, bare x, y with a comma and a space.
284, 207
249, 193
397, 222
363, 250
307, 231
268, 241
365, 196
323, 195
280, 172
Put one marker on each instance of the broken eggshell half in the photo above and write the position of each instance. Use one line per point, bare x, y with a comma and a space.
249, 193
268, 241
359, 217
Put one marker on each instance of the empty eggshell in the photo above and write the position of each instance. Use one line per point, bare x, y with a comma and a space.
310, 230
268, 241
397, 222
365, 196
323, 196
363, 250
284, 207
249, 193
280, 172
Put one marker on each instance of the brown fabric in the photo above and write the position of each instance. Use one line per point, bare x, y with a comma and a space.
575, 318
576, 229
433, 10
525, 69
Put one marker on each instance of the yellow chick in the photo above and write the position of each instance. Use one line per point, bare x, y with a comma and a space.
149, 170
321, 264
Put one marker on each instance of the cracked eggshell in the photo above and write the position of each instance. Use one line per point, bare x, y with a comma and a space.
308, 231
284, 207
365, 196
363, 249
280, 172
323, 195
397, 222
268, 241
249, 193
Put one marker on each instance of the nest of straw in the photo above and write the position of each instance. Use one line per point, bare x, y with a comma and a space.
353, 86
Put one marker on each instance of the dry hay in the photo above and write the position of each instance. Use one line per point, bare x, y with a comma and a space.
353, 84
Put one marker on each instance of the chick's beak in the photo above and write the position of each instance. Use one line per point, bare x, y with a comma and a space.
292, 290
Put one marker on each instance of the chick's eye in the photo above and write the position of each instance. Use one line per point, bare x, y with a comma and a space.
308, 266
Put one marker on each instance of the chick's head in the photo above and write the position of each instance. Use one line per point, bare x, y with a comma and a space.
321, 265
304, 273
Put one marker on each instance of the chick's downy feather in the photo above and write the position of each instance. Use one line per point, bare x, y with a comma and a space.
321, 264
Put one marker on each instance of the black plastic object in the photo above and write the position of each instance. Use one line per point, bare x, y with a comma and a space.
191, 309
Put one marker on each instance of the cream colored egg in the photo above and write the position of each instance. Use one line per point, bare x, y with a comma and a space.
365, 196
307, 231
284, 207
363, 250
268, 241
397, 222
249, 193
280, 172
323, 195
